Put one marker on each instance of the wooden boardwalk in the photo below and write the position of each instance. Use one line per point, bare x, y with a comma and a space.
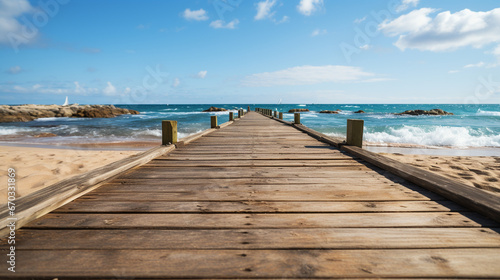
258, 199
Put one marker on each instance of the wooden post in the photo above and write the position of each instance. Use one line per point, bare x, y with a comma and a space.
168, 132
213, 121
275, 114
231, 116
296, 118
355, 132
281, 115
248, 109
239, 114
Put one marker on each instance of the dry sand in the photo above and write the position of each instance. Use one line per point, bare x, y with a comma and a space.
481, 172
37, 168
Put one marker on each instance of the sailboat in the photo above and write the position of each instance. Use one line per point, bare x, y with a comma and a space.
66, 103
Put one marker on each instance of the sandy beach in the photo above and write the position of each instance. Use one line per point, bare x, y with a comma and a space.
37, 168
482, 172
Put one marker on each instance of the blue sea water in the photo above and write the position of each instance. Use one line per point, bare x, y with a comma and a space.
470, 126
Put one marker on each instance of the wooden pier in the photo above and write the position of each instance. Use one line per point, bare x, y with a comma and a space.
258, 199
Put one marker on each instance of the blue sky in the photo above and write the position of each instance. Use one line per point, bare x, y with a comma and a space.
242, 51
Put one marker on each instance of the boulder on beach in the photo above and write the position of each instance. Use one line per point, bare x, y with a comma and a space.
29, 112
297, 110
359, 112
328, 112
215, 109
433, 112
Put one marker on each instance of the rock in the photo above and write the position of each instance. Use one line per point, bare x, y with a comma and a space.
214, 109
328, 112
433, 112
297, 110
29, 112
359, 112
45, 134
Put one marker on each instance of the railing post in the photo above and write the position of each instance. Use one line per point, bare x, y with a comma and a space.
281, 115
355, 132
168, 132
275, 114
296, 118
213, 121
248, 109
231, 116
239, 114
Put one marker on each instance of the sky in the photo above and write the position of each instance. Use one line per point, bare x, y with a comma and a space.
242, 51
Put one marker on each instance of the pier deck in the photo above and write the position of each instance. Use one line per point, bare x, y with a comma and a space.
258, 199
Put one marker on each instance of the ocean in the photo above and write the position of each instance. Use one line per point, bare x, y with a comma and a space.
471, 126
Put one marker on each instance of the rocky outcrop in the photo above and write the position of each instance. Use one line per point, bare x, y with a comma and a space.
297, 110
359, 112
25, 113
433, 112
328, 112
215, 109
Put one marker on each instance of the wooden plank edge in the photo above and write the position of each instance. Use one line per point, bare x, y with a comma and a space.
465, 195
39, 203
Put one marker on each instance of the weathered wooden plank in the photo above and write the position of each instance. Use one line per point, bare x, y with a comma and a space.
340, 238
337, 186
248, 220
254, 163
253, 181
92, 206
258, 263
251, 172
356, 195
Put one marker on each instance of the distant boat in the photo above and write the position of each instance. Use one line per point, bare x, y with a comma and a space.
66, 103
279, 102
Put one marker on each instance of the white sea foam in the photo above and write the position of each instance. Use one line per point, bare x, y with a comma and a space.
350, 106
62, 119
302, 105
435, 136
488, 113
12, 130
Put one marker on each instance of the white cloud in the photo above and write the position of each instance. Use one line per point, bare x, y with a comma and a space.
307, 7
359, 20
14, 70
197, 15
109, 89
453, 71
177, 82
10, 27
308, 75
365, 47
496, 51
283, 20
476, 65
317, 32
222, 24
127, 90
445, 32
36, 86
264, 9
406, 4
201, 74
